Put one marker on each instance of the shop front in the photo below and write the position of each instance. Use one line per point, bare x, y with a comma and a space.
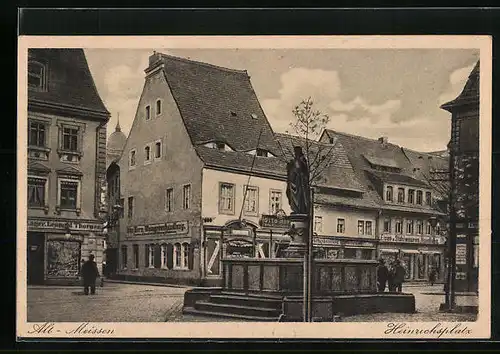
329, 247
418, 255
56, 249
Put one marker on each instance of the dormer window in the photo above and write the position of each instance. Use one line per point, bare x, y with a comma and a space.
36, 75
262, 153
220, 146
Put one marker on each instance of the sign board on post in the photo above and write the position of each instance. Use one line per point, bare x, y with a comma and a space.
275, 221
461, 254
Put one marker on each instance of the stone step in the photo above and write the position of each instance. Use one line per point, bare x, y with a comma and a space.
196, 312
246, 301
253, 295
237, 309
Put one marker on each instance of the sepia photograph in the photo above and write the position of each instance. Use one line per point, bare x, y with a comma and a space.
337, 181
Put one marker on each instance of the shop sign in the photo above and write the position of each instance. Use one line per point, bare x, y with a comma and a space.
461, 254
275, 221
473, 225
460, 276
325, 241
359, 244
51, 224
178, 227
408, 239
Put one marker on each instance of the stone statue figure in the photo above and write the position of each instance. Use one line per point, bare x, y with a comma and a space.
298, 190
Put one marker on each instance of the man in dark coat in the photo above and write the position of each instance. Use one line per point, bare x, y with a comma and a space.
382, 275
89, 275
399, 276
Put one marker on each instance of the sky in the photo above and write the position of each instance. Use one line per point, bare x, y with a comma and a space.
369, 92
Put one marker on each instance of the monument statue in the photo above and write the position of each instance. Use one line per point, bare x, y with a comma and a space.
297, 189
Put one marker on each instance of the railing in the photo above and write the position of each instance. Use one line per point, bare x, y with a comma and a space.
285, 276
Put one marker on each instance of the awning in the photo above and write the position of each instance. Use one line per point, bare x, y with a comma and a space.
391, 250
410, 251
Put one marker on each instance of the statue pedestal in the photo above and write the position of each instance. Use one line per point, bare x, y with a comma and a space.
299, 231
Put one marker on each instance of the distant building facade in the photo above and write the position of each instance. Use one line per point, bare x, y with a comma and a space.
66, 165
404, 200
464, 177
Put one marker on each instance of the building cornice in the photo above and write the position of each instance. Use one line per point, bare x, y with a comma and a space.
49, 107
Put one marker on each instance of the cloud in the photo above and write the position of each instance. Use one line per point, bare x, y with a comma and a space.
358, 108
457, 81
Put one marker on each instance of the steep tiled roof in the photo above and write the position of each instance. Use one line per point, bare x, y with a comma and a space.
241, 161
69, 81
217, 103
363, 202
397, 178
336, 170
470, 93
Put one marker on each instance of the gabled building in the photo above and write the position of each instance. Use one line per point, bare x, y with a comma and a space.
66, 165
404, 200
198, 170
464, 178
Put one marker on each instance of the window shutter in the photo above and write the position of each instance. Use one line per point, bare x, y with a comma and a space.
157, 256
190, 257
146, 254
170, 256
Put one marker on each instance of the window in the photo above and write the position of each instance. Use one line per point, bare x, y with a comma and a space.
411, 196
438, 229
220, 145
150, 256
158, 107
387, 225
262, 153
169, 199
409, 227
68, 192
428, 199
428, 228
340, 226
135, 250
185, 255
275, 201
130, 207
399, 227
37, 133
148, 112
70, 139
349, 253
158, 150
132, 158
419, 197
36, 191
178, 256
420, 227
366, 254
361, 227
388, 194
164, 256
401, 195
251, 196
147, 154
368, 228
186, 196
36, 75
124, 257
122, 204
318, 224
226, 198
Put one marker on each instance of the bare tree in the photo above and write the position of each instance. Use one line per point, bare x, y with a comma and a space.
304, 131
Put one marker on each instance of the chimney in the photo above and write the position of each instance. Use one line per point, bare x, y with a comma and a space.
383, 140
155, 57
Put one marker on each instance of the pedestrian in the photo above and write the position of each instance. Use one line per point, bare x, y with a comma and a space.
399, 276
432, 276
382, 275
89, 275
390, 277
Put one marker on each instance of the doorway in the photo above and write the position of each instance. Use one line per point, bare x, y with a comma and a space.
35, 258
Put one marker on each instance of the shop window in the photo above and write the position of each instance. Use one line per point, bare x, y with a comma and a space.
124, 256
350, 253
409, 227
340, 226
37, 192
419, 197
169, 199
177, 255
401, 195
226, 198
149, 256
275, 201
367, 254
63, 258
37, 135
251, 198
164, 256
135, 251
185, 255
318, 224
399, 226
388, 194
186, 196
387, 225
411, 196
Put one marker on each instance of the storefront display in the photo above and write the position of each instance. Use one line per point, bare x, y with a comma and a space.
63, 258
